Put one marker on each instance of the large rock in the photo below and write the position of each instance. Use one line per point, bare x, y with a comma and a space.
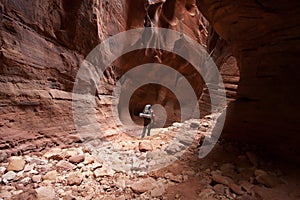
266, 179
51, 176
65, 165
45, 193
76, 159
145, 146
74, 178
55, 154
16, 164
143, 185
9, 176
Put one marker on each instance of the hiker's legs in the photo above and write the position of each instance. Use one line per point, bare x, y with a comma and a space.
144, 131
146, 123
149, 129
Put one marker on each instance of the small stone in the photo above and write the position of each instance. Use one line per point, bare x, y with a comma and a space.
65, 165
206, 193
45, 193
2, 170
120, 183
267, 180
158, 191
103, 171
189, 172
177, 124
26, 180
16, 164
260, 172
219, 188
74, 178
33, 172
143, 185
60, 191
172, 177
88, 159
247, 186
50, 176
96, 165
76, 159
9, 176
3, 156
27, 194
122, 197
73, 152
217, 177
28, 168
236, 188
36, 178
228, 169
55, 154
145, 146
17, 192
38, 161
80, 165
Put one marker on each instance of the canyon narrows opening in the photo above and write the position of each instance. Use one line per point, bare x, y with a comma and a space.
76, 74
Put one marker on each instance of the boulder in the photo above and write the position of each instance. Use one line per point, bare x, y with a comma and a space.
143, 185
145, 146
45, 193
16, 164
75, 178
76, 159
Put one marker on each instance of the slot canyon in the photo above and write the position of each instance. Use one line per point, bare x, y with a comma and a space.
70, 126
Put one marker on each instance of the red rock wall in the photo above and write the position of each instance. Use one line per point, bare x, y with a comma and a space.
42, 45
264, 37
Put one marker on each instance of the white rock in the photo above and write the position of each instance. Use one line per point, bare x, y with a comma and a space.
9, 176
29, 167
2, 170
25, 180
33, 172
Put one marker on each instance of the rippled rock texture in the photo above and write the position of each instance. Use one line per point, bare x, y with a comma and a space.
44, 43
42, 46
264, 37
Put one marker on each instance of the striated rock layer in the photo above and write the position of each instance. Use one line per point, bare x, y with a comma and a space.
264, 37
43, 44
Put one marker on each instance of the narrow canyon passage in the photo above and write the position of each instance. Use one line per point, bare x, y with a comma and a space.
222, 77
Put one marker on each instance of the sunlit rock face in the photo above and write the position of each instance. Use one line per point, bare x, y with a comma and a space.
43, 44
264, 37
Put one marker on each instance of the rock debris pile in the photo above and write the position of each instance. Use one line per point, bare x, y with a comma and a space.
145, 169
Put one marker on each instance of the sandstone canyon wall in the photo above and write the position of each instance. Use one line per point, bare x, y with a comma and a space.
43, 44
264, 37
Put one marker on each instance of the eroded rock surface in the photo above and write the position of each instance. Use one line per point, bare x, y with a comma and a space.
264, 38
